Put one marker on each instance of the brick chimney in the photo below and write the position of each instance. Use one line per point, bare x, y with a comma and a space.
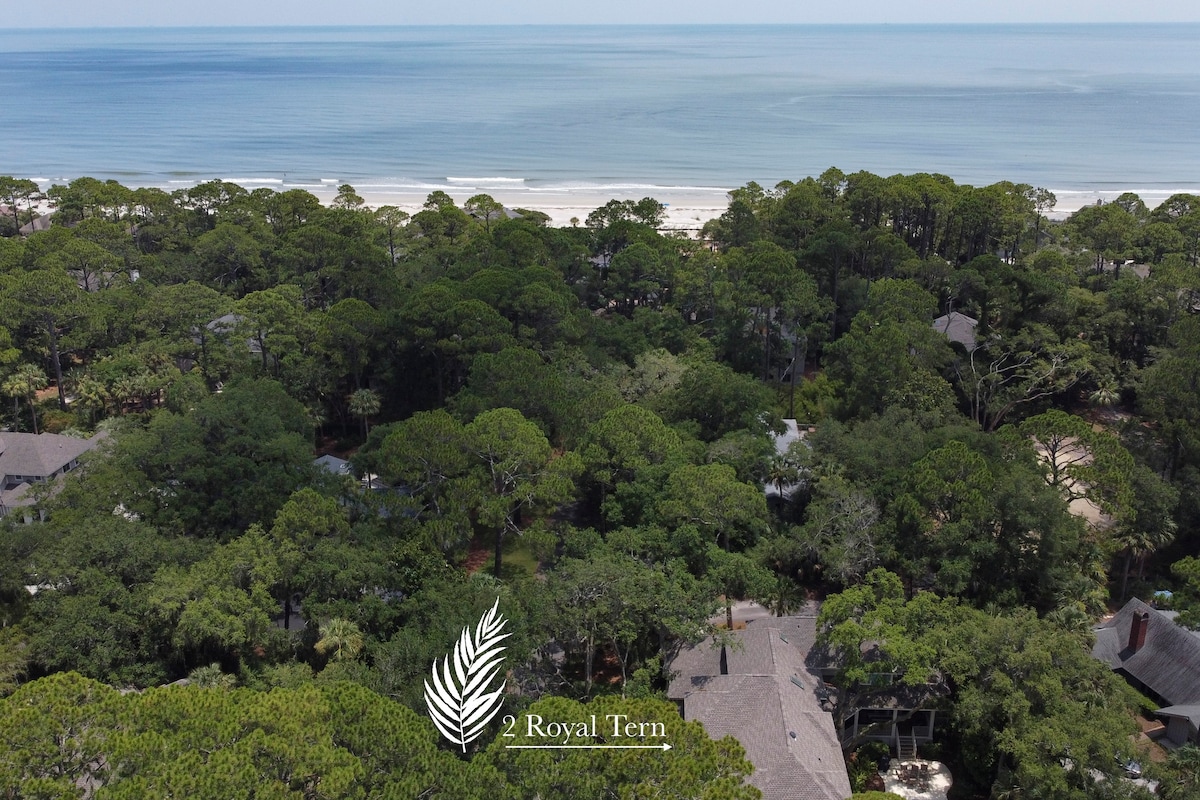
1137, 630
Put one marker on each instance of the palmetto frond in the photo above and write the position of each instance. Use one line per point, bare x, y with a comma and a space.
459, 701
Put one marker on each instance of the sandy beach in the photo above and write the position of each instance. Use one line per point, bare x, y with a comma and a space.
687, 208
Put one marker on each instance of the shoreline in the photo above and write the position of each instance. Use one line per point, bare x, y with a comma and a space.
687, 207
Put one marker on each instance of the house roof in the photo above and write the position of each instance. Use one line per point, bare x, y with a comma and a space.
338, 466
15, 497
1188, 711
1168, 663
767, 701
39, 455
957, 328
41, 223
1174, 615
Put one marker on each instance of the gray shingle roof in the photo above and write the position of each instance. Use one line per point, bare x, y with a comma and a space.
39, 455
1189, 711
15, 497
957, 328
338, 466
766, 697
1169, 661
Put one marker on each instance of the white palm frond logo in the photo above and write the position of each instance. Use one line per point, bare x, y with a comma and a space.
459, 701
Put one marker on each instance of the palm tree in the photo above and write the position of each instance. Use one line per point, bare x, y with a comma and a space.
92, 394
26, 382
1183, 779
1073, 618
342, 637
782, 472
211, 677
365, 403
1106, 395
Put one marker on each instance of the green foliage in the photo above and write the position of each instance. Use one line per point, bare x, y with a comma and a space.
1029, 696
612, 600
1082, 462
890, 345
716, 400
227, 463
515, 472
695, 767
1187, 597
1180, 779
627, 456
869, 629
200, 520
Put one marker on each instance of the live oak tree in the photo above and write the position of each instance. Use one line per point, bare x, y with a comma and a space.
98, 618
1003, 374
715, 400
229, 461
1032, 711
1181, 775
220, 608
871, 630
947, 518
1169, 394
617, 601
841, 531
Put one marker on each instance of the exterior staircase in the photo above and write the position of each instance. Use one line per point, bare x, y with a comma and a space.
906, 748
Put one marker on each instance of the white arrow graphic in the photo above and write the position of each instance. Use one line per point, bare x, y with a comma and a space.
664, 747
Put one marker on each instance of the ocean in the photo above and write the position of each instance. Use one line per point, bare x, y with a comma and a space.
607, 109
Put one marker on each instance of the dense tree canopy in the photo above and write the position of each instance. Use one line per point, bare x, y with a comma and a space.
580, 421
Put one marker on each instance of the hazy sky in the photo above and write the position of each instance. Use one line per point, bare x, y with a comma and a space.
90, 13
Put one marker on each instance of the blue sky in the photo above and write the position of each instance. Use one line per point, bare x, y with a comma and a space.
90, 13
